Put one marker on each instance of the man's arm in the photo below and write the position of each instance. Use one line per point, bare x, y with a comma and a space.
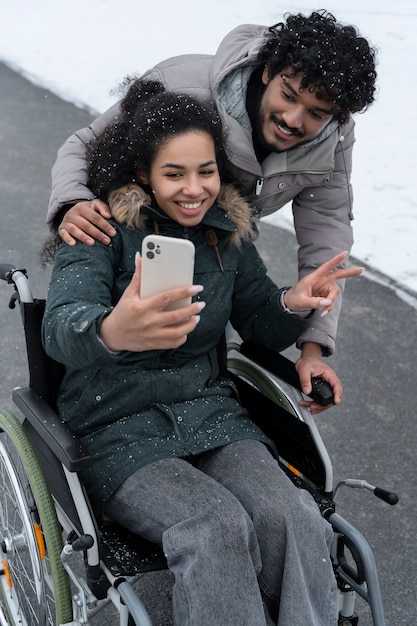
69, 173
322, 220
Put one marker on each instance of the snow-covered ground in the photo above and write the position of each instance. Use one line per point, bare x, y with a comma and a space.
81, 49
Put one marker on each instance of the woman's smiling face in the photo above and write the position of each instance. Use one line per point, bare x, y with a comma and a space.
184, 177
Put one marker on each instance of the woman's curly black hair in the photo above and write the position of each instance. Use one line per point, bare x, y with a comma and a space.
149, 117
331, 56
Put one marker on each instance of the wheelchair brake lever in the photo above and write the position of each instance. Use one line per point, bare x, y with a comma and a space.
390, 497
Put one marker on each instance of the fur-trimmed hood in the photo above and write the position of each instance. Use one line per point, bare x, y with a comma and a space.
232, 212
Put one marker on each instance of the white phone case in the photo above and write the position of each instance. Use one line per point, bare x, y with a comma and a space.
167, 263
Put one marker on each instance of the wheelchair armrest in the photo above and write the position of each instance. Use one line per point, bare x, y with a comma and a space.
66, 446
282, 367
272, 361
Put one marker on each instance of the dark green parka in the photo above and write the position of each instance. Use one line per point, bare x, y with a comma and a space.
132, 408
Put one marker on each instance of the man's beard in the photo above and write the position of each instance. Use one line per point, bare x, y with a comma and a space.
271, 147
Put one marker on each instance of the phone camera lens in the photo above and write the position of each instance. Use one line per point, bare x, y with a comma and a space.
150, 245
150, 255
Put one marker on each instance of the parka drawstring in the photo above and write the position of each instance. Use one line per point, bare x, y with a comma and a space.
213, 241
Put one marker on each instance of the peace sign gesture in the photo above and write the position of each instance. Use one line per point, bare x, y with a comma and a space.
318, 290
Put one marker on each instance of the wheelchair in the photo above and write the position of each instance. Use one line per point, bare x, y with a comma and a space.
46, 519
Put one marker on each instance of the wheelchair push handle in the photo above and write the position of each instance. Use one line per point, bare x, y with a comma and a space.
18, 278
321, 391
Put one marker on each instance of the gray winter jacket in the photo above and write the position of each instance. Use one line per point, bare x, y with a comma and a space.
315, 177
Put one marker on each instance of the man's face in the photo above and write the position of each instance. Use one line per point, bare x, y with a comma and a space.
290, 115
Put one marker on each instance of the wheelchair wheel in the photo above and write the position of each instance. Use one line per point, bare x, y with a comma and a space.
34, 586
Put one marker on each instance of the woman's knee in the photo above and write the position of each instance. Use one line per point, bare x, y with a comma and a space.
224, 529
291, 510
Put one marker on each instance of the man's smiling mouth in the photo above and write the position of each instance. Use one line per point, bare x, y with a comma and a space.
284, 130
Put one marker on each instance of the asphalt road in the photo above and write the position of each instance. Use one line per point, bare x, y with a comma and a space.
372, 435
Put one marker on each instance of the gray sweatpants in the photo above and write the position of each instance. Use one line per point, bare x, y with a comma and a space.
246, 547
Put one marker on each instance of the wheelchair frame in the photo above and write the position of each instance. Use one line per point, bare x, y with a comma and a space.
46, 518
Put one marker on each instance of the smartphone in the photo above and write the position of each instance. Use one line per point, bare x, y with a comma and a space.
167, 263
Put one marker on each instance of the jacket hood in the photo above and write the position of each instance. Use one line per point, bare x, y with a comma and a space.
131, 206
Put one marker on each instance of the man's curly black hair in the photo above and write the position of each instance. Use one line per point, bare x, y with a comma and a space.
331, 56
149, 117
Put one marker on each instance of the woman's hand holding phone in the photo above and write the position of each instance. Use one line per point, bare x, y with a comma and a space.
137, 324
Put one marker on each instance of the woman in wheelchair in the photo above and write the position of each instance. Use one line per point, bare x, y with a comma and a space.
176, 458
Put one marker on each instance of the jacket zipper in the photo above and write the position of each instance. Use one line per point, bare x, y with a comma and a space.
259, 185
